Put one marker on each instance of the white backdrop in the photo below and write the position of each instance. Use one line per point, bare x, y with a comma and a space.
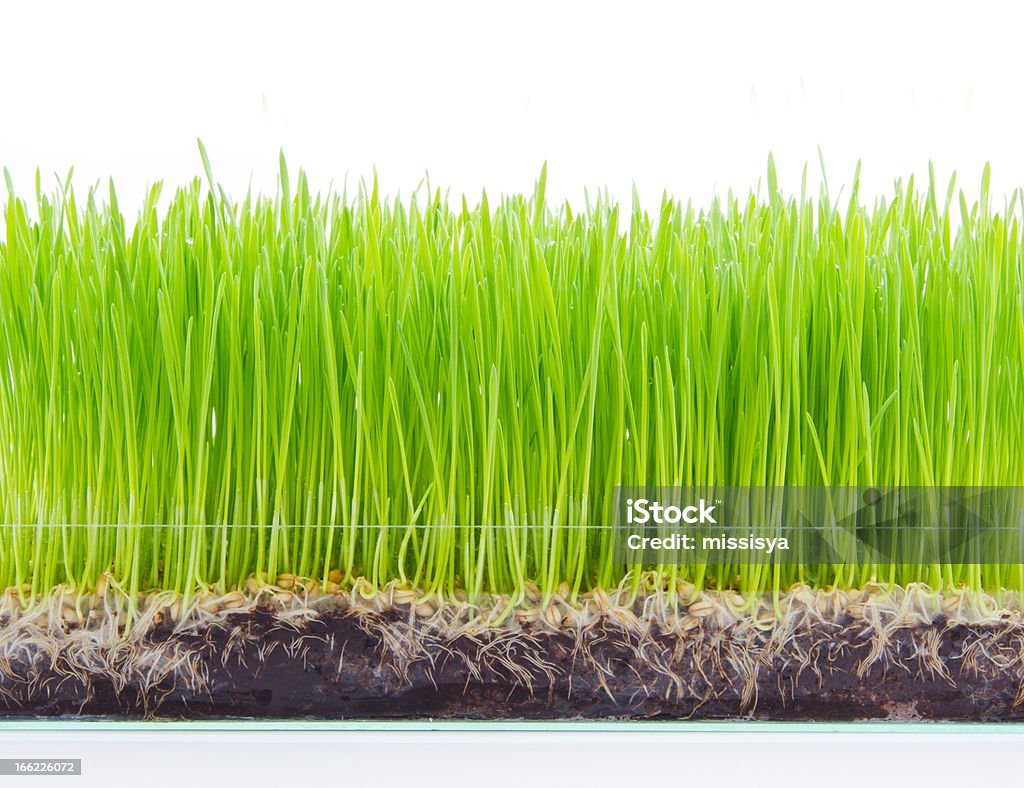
688, 97
515, 758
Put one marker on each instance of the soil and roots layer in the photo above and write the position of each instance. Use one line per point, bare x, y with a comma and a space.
339, 456
299, 652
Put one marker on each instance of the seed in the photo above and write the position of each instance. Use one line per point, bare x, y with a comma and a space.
252, 585
529, 615
233, 600
210, 605
404, 596
101, 586
684, 589
335, 576
687, 623
805, 597
701, 608
331, 587
531, 590
563, 590
286, 580
552, 616
284, 597
425, 610
626, 618
602, 599
737, 600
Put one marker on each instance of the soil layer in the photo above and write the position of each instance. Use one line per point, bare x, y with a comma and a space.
338, 665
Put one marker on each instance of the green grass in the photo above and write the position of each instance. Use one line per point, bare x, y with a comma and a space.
220, 389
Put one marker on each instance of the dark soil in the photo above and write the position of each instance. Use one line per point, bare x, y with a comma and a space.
349, 667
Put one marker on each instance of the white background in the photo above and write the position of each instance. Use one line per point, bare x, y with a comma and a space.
684, 97
425, 759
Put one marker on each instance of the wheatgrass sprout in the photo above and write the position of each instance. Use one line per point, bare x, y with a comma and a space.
448, 397
325, 439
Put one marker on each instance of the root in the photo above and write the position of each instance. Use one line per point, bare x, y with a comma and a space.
642, 655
